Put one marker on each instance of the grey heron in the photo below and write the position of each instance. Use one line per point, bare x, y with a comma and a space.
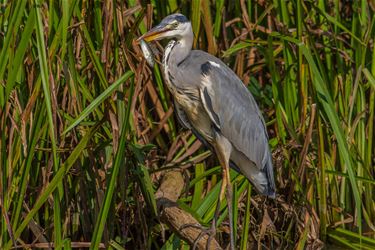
212, 101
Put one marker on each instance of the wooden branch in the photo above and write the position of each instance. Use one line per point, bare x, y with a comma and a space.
181, 222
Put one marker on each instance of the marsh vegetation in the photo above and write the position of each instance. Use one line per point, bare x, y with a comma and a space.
87, 127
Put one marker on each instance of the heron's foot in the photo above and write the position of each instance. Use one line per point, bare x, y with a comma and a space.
211, 232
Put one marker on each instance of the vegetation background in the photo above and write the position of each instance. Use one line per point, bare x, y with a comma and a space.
87, 128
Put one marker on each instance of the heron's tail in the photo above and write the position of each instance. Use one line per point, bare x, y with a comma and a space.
270, 190
261, 179
264, 181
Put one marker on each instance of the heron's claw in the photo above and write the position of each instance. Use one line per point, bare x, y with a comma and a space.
211, 232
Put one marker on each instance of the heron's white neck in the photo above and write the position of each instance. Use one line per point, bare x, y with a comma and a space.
175, 53
177, 50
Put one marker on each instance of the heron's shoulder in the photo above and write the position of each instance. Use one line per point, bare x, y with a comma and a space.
200, 64
201, 57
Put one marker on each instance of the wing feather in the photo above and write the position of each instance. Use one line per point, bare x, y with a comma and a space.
208, 107
232, 108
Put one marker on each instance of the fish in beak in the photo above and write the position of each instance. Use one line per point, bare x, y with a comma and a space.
147, 53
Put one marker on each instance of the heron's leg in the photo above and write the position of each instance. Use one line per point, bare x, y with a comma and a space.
217, 211
224, 184
229, 196
223, 150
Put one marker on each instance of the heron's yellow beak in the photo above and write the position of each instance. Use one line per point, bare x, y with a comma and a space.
153, 34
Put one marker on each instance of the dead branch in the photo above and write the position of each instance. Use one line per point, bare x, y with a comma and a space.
181, 222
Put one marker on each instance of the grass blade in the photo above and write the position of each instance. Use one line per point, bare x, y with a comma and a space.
47, 95
99, 100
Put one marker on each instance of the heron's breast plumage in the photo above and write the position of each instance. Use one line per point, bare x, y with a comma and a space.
191, 103
187, 96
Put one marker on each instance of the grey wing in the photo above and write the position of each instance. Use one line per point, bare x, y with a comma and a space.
233, 109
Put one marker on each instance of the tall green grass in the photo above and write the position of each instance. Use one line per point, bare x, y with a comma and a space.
87, 128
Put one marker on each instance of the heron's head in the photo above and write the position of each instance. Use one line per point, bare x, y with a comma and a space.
172, 26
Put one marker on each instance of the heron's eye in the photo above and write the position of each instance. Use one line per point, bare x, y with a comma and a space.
174, 25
